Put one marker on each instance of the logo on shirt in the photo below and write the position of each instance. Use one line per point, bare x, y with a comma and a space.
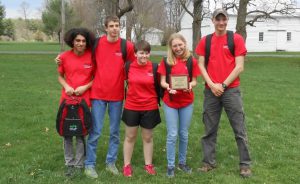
118, 53
150, 74
86, 65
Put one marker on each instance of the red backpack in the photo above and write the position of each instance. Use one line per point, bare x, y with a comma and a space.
73, 117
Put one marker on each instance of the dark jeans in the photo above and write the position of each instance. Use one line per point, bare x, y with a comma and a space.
212, 109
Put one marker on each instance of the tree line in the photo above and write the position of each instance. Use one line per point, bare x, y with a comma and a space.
139, 16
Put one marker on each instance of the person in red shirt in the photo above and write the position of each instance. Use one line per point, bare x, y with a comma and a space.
141, 108
178, 103
75, 76
222, 90
107, 91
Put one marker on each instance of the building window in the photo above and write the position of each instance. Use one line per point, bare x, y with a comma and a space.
261, 36
288, 36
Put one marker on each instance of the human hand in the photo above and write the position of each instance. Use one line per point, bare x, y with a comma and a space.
171, 91
69, 90
217, 89
57, 60
80, 90
190, 88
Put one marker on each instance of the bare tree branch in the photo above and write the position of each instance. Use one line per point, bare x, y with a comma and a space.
128, 8
182, 2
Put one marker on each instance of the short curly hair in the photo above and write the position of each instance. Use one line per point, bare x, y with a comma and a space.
87, 34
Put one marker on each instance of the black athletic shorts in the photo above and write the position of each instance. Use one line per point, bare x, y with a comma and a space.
146, 119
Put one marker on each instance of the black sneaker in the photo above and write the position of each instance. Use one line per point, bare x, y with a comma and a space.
69, 172
185, 168
170, 172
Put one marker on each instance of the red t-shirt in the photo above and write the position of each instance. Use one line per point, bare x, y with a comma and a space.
109, 78
77, 70
141, 94
181, 98
221, 62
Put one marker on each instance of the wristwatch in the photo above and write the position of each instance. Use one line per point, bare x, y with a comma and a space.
224, 85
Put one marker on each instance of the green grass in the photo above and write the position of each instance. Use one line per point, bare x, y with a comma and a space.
29, 101
29, 46
44, 46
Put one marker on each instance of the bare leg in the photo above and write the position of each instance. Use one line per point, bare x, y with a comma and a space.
147, 135
130, 138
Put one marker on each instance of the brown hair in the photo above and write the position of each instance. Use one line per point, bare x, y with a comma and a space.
142, 45
110, 18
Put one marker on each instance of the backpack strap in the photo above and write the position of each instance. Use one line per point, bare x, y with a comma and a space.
59, 116
168, 69
156, 82
189, 65
87, 115
207, 48
124, 49
94, 50
168, 72
127, 66
230, 42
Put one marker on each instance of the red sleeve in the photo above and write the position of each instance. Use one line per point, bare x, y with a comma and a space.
196, 70
239, 45
161, 68
130, 52
200, 49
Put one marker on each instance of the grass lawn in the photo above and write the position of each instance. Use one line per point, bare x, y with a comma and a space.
45, 46
29, 46
31, 150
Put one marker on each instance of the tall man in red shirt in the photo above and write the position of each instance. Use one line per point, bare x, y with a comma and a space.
222, 90
107, 92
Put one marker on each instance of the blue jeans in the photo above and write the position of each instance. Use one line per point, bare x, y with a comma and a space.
175, 117
98, 113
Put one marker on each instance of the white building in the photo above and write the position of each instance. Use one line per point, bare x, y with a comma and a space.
281, 34
153, 36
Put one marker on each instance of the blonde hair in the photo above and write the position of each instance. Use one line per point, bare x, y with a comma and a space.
171, 56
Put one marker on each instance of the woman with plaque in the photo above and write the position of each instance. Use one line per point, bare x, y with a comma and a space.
178, 72
141, 106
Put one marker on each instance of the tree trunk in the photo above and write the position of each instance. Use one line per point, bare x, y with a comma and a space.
196, 26
129, 25
241, 19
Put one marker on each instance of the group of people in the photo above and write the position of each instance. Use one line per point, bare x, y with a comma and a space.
97, 74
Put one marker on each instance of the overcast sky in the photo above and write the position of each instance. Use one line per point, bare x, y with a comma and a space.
13, 8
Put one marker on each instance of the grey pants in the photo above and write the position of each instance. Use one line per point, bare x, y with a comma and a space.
70, 159
212, 109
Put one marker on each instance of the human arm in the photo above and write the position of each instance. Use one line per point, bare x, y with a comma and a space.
165, 85
238, 69
216, 88
81, 89
68, 89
